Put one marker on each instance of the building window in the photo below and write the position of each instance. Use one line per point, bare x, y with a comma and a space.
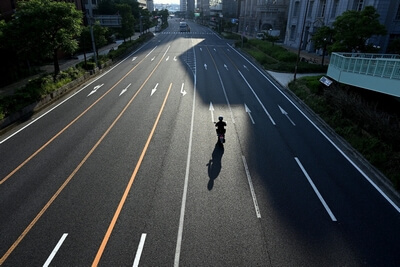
296, 9
334, 8
292, 32
398, 13
322, 8
310, 9
360, 5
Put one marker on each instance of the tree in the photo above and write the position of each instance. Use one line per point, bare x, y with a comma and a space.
354, 28
394, 46
46, 27
323, 39
128, 21
99, 34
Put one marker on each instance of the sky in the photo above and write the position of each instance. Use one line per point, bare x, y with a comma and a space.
166, 2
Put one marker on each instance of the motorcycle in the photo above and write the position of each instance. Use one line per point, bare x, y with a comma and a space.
220, 135
221, 138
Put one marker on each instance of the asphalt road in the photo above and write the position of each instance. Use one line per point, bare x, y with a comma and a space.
126, 171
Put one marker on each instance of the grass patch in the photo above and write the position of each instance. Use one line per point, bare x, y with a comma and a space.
357, 121
277, 58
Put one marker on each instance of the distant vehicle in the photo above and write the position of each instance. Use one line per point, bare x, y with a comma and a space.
183, 27
260, 36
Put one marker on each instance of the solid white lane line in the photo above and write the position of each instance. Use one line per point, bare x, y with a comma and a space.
383, 194
316, 190
68, 98
55, 250
253, 194
223, 87
139, 250
258, 99
186, 182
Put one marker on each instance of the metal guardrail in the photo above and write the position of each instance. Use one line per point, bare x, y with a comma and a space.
376, 72
378, 65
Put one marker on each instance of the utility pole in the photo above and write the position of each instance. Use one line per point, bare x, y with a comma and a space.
91, 19
301, 41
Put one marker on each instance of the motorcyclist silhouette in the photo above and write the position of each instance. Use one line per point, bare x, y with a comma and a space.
220, 126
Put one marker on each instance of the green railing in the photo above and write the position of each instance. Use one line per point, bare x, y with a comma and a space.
378, 65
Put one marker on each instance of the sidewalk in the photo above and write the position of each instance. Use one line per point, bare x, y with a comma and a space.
64, 64
285, 78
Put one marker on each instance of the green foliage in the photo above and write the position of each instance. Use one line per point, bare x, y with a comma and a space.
323, 37
44, 27
314, 85
231, 35
35, 90
354, 28
339, 109
394, 46
277, 58
128, 21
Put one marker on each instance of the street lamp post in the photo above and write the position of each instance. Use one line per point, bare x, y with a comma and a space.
90, 20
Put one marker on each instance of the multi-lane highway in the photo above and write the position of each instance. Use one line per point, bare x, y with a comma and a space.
126, 172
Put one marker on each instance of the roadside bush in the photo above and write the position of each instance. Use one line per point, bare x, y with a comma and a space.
261, 58
89, 65
285, 56
283, 60
372, 132
35, 90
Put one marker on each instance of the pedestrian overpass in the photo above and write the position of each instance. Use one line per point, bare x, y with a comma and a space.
109, 20
376, 72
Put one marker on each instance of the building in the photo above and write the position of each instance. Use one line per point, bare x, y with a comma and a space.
313, 14
263, 15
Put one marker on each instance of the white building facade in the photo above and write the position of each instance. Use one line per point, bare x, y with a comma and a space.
305, 17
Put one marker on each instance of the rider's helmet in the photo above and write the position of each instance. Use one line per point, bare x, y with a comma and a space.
220, 118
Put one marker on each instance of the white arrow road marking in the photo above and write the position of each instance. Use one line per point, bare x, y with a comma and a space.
212, 111
175, 58
205, 66
154, 90
245, 67
215, 50
125, 89
228, 50
153, 58
167, 58
56, 248
258, 99
201, 49
226, 67
95, 89
183, 92
248, 111
133, 59
316, 190
286, 114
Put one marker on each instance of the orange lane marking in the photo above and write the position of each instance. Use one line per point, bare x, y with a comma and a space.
52, 199
128, 187
65, 128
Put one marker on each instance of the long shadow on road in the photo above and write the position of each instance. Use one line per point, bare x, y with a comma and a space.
214, 165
